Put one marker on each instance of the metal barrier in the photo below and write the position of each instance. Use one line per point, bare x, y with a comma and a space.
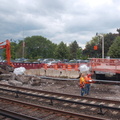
105, 65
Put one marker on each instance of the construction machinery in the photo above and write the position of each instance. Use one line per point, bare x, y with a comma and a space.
8, 66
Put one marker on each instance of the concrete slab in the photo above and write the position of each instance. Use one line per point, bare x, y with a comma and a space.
74, 74
42, 72
63, 74
49, 72
56, 73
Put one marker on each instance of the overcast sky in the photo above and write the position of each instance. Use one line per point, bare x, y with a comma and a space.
58, 20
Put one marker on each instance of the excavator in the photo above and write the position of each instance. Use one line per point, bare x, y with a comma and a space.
9, 67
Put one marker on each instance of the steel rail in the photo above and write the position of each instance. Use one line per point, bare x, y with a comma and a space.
15, 115
100, 106
48, 92
46, 108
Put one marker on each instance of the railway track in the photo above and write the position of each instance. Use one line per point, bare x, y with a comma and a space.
100, 108
29, 111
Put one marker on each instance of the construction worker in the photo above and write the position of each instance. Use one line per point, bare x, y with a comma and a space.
82, 84
88, 80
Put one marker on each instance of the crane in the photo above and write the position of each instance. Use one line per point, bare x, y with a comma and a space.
8, 53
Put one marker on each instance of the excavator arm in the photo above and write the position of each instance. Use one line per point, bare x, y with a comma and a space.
8, 53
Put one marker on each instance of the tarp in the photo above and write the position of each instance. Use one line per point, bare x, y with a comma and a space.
84, 68
19, 71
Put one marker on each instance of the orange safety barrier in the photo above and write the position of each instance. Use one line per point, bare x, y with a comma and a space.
69, 67
93, 65
45, 66
55, 67
76, 67
64, 67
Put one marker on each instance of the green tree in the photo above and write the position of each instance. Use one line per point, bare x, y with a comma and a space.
73, 50
62, 51
114, 50
108, 41
19, 50
89, 48
13, 48
37, 47
79, 53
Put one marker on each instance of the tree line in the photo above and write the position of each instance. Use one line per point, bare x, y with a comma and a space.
40, 47
35, 47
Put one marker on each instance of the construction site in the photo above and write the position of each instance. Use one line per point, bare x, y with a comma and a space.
57, 89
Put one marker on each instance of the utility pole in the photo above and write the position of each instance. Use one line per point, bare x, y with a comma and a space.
102, 37
23, 46
102, 46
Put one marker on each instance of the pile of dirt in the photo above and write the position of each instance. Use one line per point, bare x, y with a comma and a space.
6, 69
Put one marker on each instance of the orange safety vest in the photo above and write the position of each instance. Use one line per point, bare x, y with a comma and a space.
87, 79
82, 82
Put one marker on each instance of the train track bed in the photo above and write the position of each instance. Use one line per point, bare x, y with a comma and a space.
30, 111
101, 108
106, 91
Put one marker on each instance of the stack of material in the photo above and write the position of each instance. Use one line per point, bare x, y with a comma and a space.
6, 69
16, 77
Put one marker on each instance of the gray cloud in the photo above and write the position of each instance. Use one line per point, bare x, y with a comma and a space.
58, 20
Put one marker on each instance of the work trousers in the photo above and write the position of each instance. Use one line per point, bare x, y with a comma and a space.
82, 91
87, 89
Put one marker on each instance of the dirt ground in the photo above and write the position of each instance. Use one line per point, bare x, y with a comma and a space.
72, 87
